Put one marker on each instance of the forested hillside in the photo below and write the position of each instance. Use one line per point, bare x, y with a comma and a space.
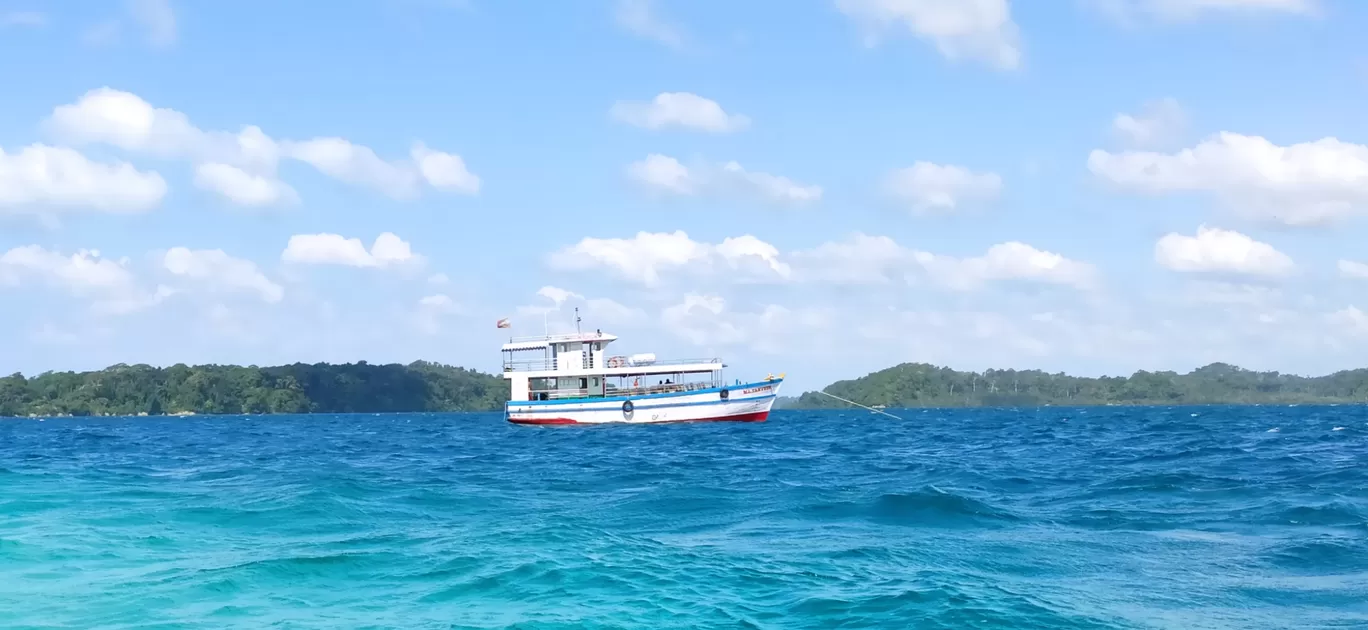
922, 385
227, 389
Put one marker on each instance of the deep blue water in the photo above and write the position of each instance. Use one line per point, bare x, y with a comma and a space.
1052, 518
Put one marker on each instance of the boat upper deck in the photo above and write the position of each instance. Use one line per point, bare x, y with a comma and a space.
580, 354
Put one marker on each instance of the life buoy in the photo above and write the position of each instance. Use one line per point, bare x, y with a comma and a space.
724, 393
627, 409
614, 362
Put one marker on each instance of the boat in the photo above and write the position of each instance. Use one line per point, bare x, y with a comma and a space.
573, 379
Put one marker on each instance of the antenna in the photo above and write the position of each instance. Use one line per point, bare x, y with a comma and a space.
577, 320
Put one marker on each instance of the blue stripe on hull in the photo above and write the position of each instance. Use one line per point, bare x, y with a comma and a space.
582, 401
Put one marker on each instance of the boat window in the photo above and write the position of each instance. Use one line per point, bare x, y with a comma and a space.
584, 383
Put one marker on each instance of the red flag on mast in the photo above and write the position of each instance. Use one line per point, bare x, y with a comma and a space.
503, 323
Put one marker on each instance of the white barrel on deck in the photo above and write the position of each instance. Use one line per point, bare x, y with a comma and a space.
641, 359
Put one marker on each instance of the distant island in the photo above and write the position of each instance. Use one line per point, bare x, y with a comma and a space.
922, 385
130, 390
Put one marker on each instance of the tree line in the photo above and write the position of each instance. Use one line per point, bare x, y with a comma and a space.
127, 390
924, 385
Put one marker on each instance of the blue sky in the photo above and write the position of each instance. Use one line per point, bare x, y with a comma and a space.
976, 184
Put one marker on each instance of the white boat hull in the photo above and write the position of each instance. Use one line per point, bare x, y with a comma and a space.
739, 403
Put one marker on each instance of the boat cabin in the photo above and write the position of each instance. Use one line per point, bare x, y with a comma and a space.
579, 366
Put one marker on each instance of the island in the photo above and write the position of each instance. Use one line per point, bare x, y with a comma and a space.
130, 390
421, 386
919, 385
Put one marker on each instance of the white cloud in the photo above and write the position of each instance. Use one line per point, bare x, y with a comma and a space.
109, 284
962, 29
1214, 250
42, 177
342, 160
213, 268
557, 294
122, 119
640, 18
644, 257
1159, 123
1191, 10
444, 171
23, 18
663, 172
157, 18
125, 120
81, 273
1311, 183
241, 187
666, 174
388, 250
438, 302
925, 186
679, 109
1351, 269
1352, 320
1012, 261
774, 188
862, 259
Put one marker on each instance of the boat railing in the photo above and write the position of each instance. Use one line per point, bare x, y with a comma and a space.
530, 365
615, 362
565, 394
559, 337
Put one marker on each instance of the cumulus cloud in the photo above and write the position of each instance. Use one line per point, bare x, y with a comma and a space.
1306, 184
1012, 261
678, 110
925, 186
1352, 269
1191, 10
664, 174
387, 251
1214, 250
1350, 319
43, 178
241, 187
1158, 123
981, 30
641, 18
109, 284
645, 256
126, 121
444, 171
861, 259
864, 259
557, 294
215, 269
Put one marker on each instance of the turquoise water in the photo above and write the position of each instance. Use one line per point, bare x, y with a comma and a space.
1055, 518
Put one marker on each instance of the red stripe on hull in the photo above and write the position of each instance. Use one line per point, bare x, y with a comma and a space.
758, 416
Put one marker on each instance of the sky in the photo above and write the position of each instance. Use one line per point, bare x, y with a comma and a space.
820, 188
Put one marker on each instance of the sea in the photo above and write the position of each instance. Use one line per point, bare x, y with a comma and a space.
1100, 517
